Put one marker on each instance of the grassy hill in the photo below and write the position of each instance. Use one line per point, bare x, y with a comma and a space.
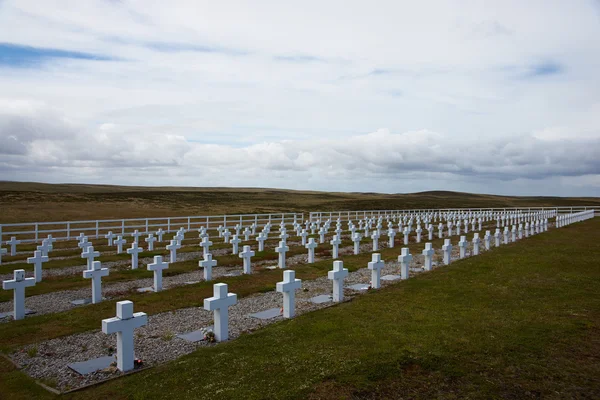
25, 201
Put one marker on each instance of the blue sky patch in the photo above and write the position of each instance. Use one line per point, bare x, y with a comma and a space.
13, 55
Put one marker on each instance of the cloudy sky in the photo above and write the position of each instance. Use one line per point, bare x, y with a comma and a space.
390, 96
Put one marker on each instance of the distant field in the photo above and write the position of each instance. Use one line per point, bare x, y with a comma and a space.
23, 202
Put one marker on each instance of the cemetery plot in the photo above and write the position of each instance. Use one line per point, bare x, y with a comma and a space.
228, 323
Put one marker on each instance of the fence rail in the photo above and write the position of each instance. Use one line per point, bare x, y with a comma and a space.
348, 215
65, 230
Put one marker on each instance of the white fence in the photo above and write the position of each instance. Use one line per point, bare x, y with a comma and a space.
355, 215
64, 230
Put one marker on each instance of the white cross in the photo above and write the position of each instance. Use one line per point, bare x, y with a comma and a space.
246, 256
514, 233
246, 234
440, 230
120, 242
178, 238
90, 254
322, 233
447, 249
150, 240
157, 266
283, 235
253, 228
261, 241
237, 229
376, 265
46, 247
134, 251
123, 325
391, 234
235, 242
527, 229
304, 235
18, 285
356, 240
220, 303
520, 231
135, 235
13, 242
220, 230
84, 244
311, 246
50, 239
497, 236
288, 288
338, 275
208, 263
404, 259
506, 235
159, 234
462, 246
335, 242
487, 239
466, 223
173, 250
226, 235
81, 237
375, 237
37, 261
282, 249
428, 253
96, 273
419, 230
476, 242
109, 236
205, 244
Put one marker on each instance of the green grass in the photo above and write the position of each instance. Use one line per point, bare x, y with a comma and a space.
522, 321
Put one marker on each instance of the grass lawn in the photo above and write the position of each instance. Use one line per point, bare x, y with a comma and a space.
522, 321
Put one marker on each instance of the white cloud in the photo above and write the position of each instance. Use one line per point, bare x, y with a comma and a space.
502, 100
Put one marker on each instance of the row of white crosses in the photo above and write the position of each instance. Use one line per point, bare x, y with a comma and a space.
95, 272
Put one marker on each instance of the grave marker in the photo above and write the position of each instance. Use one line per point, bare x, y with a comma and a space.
89, 254
37, 261
157, 267
404, 259
150, 240
123, 325
376, 265
428, 253
134, 251
288, 288
219, 304
311, 246
282, 249
95, 274
13, 242
120, 242
208, 263
18, 285
338, 275
246, 257
447, 249
173, 247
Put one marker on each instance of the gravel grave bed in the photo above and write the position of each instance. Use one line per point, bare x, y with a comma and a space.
157, 342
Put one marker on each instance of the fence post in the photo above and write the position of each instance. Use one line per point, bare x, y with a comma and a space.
97, 234
169, 224
36, 231
122, 227
146, 225
188, 223
68, 230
